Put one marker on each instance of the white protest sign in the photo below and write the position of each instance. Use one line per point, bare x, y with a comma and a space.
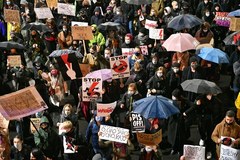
114, 134
66, 9
137, 123
150, 24
229, 153
156, 33
74, 23
104, 110
119, 66
43, 13
91, 89
194, 152
127, 51
68, 145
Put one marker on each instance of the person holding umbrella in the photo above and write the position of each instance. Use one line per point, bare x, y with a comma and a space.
204, 34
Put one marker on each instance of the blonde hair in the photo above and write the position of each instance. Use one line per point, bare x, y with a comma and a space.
67, 124
133, 85
69, 106
163, 70
137, 66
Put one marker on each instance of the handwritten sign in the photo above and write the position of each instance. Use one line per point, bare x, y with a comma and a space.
12, 15
3, 122
119, 66
156, 33
104, 110
51, 3
127, 51
74, 23
222, 19
229, 153
114, 134
36, 122
194, 152
144, 49
21, 103
150, 139
15, 61
43, 13
137, 123
234, 24
82, 32
66, 9
91, 89
150, 24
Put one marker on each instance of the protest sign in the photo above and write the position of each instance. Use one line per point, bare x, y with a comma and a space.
137, 123
36, 122
194, 152
104, 110
3, 122
229, 153
68, 145
43, 13
14, 61
222, 19
74, 23
156, 33
150, 24
12, 15
91, 89
119, 66
234, 24
127, 51
150, 139
85, 69
51, 3
66, 9
144, 50
21, 103
82, 32
114, 134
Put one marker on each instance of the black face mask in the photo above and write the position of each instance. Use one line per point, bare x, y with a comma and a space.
93, 32
34, 36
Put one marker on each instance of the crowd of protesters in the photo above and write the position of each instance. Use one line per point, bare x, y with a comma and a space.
158, 73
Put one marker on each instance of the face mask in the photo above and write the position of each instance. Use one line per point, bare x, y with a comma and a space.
106, 56
207, 14
152, 13
130, 92
148, 149
109, 80
205, 2
159, 74
139, 60
64, 29
174, 98
137, 53
17, 145
141, 34
39, 114
67, 113
33, 36
127, 41
118, 12
93, 31
209, 97
205, 30
8, 2
31, 82
175, 70
165, 13
154, 61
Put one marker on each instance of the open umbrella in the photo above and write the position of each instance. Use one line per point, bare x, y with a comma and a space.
200, 86
232, 38
184, 21
11, 44
102, 73
213, 55
155, 107
139, 2
58, 53
36, 26
180, 42
234, 13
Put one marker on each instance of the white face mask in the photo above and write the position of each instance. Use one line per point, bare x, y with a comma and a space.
106, 56
17, 145
159, 74
148, 149
139, 60
205, 30
175, 70
127, 41
8, 2
67, 113
130, 92
207, 14
118, 12
174, 98
154, 61
31, 82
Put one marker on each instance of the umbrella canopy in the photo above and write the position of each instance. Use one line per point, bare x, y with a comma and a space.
102, 73
108, 25
200, 86
234, 13
232, 38
139, 2
184, 21
11, 44
213, 55
180, 42
36, 26
155, 107
58, 53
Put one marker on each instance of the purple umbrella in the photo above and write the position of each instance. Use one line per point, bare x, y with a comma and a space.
102, 73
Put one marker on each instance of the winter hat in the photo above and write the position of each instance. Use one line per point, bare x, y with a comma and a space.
193, 59
176, 93
23, 2
129, 35
143, 30
97, 9
176, 65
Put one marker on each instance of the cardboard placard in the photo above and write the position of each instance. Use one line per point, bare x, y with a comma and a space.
66, 9
144, 50
234, 24
127, 51
120, 67
104, 110
21, 103
3, 122
82, 32
74, 23
194, 152
12, 15
229, 153
91, 89
52, 3
137, 123
222, 19
15, 61
36, 122
114, 134
85, 69
150, 139
150, 24
43, 13
156, 33
68, 145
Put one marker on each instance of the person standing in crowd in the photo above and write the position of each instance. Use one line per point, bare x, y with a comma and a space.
98, 38
137, 57
204, 34
152, 66
203, 5
150, 153
182, 59
97, 18
65, 38
174, 77
19, 151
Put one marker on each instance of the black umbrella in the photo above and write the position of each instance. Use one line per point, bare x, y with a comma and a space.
111, 25
232, 38
58, 53
36, 26
11, 44
139, 2
184, 21
200, 86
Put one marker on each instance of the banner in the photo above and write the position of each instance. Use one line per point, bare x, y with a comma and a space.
222, 19
119, 66
156, 33
229, 153
150, 24
52, 3
104, 110
194, 152
137, 123
91, 89
3, 122
150, 139
127, 51
36, 122
144, 50
74, 23
82, 32
66, 9
43, 13
22, 103
14, 61
114, 134
12, 15
234, 24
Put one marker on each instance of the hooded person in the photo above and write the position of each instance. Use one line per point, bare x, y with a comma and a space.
98, 38
97, 18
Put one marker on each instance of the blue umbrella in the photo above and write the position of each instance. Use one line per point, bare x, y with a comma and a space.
234, 13
213, 55
155, 107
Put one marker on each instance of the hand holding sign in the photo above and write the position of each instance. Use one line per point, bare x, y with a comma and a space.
70, 72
